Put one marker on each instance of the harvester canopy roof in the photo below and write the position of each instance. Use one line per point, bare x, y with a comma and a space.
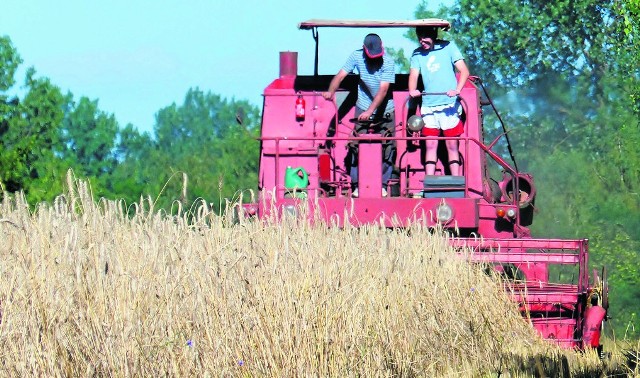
314, 24
317, 23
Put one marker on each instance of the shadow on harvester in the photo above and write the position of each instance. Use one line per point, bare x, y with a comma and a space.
506, 272
553, 366
558, 366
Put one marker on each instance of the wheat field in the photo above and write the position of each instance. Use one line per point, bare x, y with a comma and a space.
102, 288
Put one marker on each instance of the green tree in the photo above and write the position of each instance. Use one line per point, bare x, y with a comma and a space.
45, 133
29, 131
131, 175
87, 142
9, 108
10, 60
29, 134
630, 11
198, 151
203, 140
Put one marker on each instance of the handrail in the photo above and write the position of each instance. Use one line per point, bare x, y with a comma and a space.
515, 199
482, 146
513, 171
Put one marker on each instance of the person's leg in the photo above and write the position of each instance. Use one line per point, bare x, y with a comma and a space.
353, 171
388, 150
452, 127
454, 157
431, 129
432, 157
353, 148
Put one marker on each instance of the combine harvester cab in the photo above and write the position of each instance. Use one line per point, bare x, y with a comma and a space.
304, 160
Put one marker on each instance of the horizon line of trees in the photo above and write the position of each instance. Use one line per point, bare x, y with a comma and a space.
45, 133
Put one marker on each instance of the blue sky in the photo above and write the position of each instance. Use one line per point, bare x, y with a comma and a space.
138, 56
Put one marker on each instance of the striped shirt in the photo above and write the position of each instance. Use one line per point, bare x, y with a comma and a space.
370, 78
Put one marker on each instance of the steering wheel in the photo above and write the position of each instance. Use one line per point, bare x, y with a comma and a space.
371, 121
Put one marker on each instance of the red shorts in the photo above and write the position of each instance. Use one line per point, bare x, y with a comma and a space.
455, 132
442, 117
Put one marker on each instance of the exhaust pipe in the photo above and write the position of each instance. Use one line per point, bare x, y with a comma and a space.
288, 64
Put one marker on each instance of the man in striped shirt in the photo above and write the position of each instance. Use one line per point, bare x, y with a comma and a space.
377, 73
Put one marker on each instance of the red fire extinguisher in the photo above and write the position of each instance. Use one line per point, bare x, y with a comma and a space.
300, 105
324, 165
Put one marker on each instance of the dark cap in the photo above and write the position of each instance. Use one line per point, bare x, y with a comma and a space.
373, 46
427, 31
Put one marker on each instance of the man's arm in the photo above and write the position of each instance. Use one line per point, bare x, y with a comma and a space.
377, 100
414, 73
461, 67
335, 84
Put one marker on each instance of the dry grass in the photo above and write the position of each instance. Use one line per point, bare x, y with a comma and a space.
98, 289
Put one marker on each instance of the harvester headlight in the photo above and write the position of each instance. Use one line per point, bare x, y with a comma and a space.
444, 213
290, 210
415, 123
511, 213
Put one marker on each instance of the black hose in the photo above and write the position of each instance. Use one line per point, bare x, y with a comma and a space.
504, 129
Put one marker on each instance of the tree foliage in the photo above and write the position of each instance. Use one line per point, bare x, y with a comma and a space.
534, 38
199, 151
10, 60
193, 152
29, 133
202, 138
88, 138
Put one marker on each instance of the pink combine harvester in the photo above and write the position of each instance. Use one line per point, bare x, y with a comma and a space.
305, 142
